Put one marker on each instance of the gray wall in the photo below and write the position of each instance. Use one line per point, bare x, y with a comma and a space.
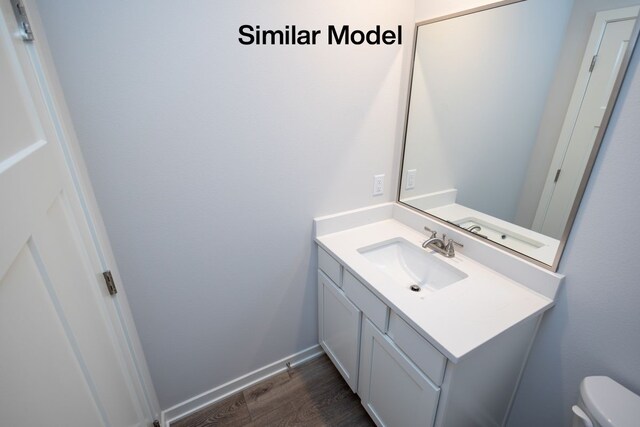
209, 160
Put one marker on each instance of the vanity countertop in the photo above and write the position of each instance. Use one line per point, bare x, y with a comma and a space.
456, 319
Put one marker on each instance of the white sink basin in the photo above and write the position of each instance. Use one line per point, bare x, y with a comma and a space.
409, 265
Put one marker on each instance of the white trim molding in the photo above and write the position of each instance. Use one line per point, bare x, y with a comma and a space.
220, 392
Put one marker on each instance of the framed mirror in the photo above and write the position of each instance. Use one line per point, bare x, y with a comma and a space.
508, 106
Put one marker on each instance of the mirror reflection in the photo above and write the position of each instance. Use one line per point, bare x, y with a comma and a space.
505, 110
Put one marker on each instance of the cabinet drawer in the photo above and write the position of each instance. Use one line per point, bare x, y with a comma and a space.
366, 301
330, 266
423, 354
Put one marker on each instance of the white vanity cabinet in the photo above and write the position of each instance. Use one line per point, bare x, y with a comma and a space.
401, 377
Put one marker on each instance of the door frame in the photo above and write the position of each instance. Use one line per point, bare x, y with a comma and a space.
86, 210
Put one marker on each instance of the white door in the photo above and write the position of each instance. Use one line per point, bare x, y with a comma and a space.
606, 48
60, 362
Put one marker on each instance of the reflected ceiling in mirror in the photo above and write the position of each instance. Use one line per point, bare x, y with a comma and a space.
508, 106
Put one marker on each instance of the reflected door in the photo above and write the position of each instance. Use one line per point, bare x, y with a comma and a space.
59, 361
608, 44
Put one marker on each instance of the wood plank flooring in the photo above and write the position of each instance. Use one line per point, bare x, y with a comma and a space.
310, 395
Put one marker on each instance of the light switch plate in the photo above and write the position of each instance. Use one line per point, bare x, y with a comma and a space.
378, 185
411, 179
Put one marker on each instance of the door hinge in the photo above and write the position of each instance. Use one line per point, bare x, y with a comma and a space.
111, 285
557, 176
593, 63
23, 20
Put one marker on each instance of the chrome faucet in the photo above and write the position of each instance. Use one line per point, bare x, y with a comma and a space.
433, 233
441, 245
474, 228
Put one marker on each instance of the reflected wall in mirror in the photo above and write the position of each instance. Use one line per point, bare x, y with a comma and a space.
508, 106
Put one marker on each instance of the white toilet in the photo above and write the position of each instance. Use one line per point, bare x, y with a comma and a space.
604, 402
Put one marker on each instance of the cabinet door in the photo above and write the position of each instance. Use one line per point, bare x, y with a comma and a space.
393, 391
339, 327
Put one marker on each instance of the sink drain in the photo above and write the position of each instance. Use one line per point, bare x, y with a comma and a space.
415, 288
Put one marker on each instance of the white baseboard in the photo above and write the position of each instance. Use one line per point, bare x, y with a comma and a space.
218, 393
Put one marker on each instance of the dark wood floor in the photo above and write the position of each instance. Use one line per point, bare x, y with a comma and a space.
313, 394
